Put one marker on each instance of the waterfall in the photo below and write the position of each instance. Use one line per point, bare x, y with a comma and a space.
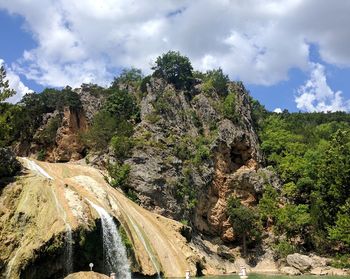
114, 252
68, 250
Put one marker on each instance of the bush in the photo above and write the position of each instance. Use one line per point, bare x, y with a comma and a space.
229, 108
41, 155
48, 135
283, 248
132, 76
175, 69
120, 104
121, 146
216, 80
119, 174
101, 131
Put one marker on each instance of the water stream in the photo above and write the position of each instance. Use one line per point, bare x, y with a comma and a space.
148, 250
114, 251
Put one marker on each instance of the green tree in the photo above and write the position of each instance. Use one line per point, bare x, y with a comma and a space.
132, 76
5, 90
268, 205
216, 80
120, 104
101, 131
244, 221
229, 107
341, 230
175, 69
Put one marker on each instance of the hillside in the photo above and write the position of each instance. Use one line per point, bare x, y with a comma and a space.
238, 181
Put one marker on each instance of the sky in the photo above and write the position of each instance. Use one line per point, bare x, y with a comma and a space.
290, 54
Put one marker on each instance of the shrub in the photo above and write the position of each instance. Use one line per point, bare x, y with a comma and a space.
283, 248
175, 69
132, 76
41, 155
119, 174
121, 146
101, 131
229, 108
216, 80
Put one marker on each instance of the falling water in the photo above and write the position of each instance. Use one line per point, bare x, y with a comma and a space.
68, 250
113, 248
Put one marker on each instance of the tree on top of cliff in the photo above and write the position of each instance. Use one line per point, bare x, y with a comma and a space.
5, 91
175, 69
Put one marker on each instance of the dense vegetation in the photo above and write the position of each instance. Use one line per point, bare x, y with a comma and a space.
311, 154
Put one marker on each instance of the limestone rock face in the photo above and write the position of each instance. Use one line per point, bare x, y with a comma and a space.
68, 146
164, 172
300, 262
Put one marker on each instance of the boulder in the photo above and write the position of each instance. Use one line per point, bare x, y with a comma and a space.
290, 270
319, 271
300, 262
87, 275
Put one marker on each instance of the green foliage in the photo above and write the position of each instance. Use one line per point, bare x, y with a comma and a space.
293, 219
244, 221
202, 154
120, 104
341, 230
5, 90
41, 155
121, 146
143, 86
283, 248
184, 189
341, 261
132, 76
48, 135
175, 69
229, 107
119, 174
268, 205
215, 81
101, 131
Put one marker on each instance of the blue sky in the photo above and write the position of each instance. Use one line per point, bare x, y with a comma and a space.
290, 54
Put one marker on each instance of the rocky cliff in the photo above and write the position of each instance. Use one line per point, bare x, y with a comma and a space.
189, 158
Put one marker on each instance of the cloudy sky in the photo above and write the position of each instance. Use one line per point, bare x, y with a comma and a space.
291, 54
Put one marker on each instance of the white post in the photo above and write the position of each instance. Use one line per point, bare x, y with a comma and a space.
113, 276
188, 274
91, 265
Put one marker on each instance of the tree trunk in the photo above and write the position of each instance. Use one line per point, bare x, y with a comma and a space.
244, 245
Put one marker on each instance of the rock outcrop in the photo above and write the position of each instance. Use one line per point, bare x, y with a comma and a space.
169, 174
87, 275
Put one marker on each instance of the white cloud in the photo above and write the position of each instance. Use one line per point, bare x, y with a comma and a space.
255, 41
316, 95
16, 84
277, 110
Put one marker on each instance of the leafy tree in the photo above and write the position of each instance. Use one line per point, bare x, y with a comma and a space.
229, 107
341, 230
132, 76
175, 69
119, 174
216, 80
5, 90
268, 205
121, 104
244, 221
293, 219
101, 131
